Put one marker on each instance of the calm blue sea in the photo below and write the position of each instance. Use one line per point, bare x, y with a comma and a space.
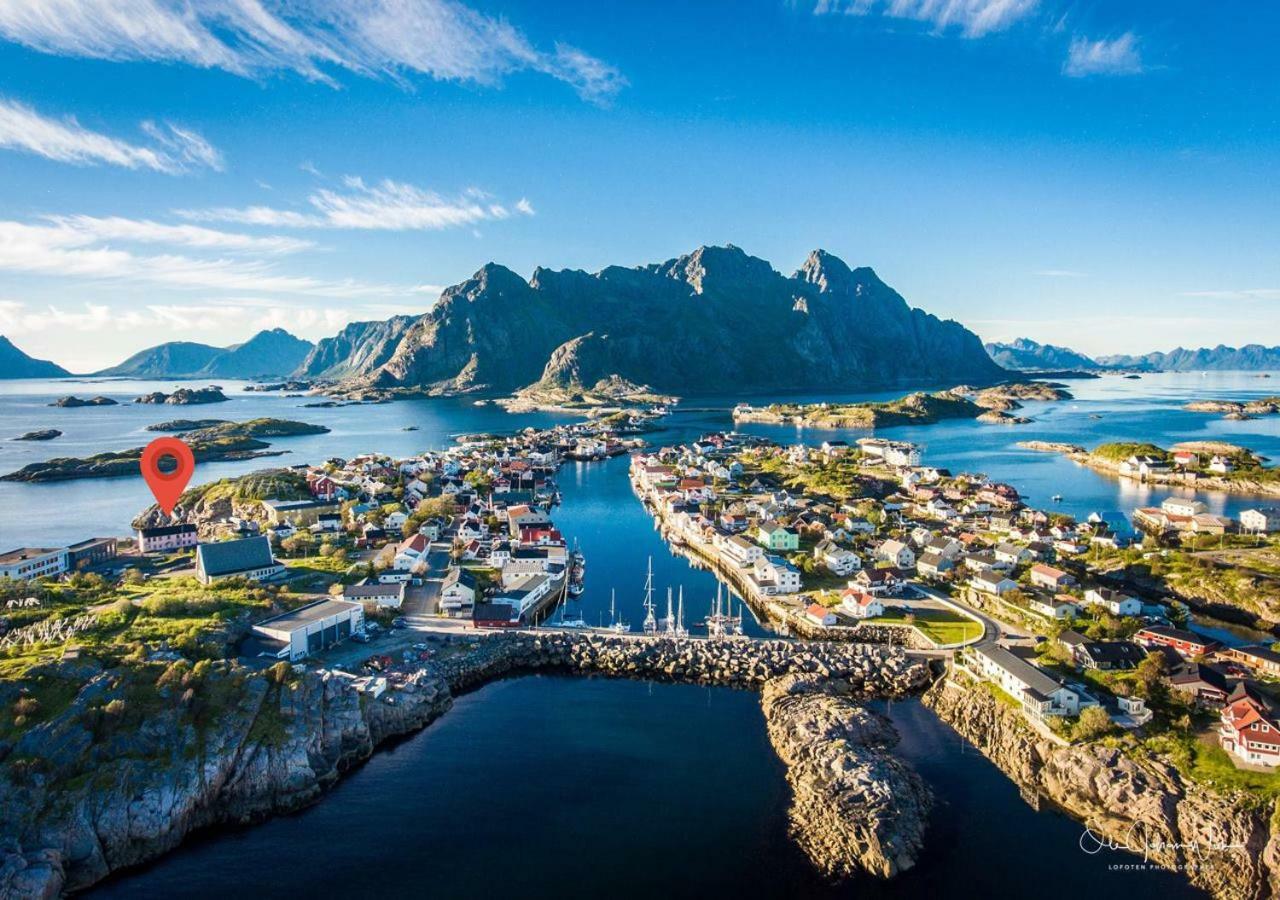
553, 787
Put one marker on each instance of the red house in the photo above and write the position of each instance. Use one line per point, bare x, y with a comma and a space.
1186, 643
322, 487
495, 615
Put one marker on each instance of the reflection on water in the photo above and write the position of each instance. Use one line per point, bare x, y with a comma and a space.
557, 787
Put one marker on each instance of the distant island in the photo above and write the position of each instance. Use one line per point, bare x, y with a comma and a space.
77, 403
989, 405
44, 434
223, 442
185, 397
274, 352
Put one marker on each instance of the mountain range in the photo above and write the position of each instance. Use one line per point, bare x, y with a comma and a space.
1026, 355
714, 320
274, 352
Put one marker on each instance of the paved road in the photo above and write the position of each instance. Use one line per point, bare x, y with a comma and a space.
996, 631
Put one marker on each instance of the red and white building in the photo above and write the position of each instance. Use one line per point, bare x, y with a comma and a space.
1186, 643
1249, 731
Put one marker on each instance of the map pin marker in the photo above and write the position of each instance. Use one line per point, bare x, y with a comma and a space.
167, 487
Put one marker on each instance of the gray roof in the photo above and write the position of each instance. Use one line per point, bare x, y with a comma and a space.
304, 615
359, 591
1035, 679
229, 557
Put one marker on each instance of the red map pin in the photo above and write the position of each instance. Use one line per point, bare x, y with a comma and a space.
167, 486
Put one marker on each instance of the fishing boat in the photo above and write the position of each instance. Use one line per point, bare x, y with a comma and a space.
1056, 498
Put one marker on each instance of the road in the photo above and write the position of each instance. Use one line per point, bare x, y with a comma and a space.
996, 630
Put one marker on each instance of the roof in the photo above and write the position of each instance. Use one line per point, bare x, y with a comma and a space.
229, 557
1257, 651
166, 530
494, 612
373, 589
22, 553
1177, 634
305, 615
1114, 652
1034, 679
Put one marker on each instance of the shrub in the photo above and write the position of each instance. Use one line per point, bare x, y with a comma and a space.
1093, 723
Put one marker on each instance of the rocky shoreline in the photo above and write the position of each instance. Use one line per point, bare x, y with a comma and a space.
1224, 843
855, 807
79, 807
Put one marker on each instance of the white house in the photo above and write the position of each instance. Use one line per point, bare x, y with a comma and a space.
860, 605
896, 553
1040, 694
840, 561
27, 563
819, 615
742, 551
1183, 506
1116, 603
773, 575
458, 591
992, 582
1261, 521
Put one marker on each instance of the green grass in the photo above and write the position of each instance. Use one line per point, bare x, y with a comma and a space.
1122, 450
939, 625
1209, 762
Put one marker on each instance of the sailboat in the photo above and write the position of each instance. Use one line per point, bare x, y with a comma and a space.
668, 622
616, 625
650, 623
680, 630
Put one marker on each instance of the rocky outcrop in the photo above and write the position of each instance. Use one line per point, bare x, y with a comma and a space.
730, 321
44, 434
1222, 842
185, 397
75, 402
94, 790
855, 807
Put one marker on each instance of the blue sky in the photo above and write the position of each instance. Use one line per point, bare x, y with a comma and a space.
1096, 174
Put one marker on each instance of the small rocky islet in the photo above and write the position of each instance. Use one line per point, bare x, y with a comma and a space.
73, 402
218, 443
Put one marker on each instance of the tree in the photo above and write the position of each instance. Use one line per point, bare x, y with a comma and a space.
1093, 723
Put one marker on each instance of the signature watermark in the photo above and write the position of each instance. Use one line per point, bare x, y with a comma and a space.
1156, 852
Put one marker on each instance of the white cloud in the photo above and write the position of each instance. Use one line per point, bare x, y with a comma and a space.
90, 336
1061, 273
86, 230
972, 18
176, 149
64, 251
1117, 56
372, 38
387, 206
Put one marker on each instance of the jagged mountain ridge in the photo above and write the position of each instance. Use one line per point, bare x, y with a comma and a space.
358, 347
16, 364
1024, 354
715, 320
1249, 358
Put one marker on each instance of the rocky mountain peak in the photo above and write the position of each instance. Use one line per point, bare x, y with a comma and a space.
824, 270
726, 267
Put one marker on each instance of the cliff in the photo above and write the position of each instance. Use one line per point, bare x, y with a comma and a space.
1221, 842
142, 755
715, 320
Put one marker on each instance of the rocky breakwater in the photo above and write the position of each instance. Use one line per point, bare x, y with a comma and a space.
111, 782
855, 807
870, 671
1222, 842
